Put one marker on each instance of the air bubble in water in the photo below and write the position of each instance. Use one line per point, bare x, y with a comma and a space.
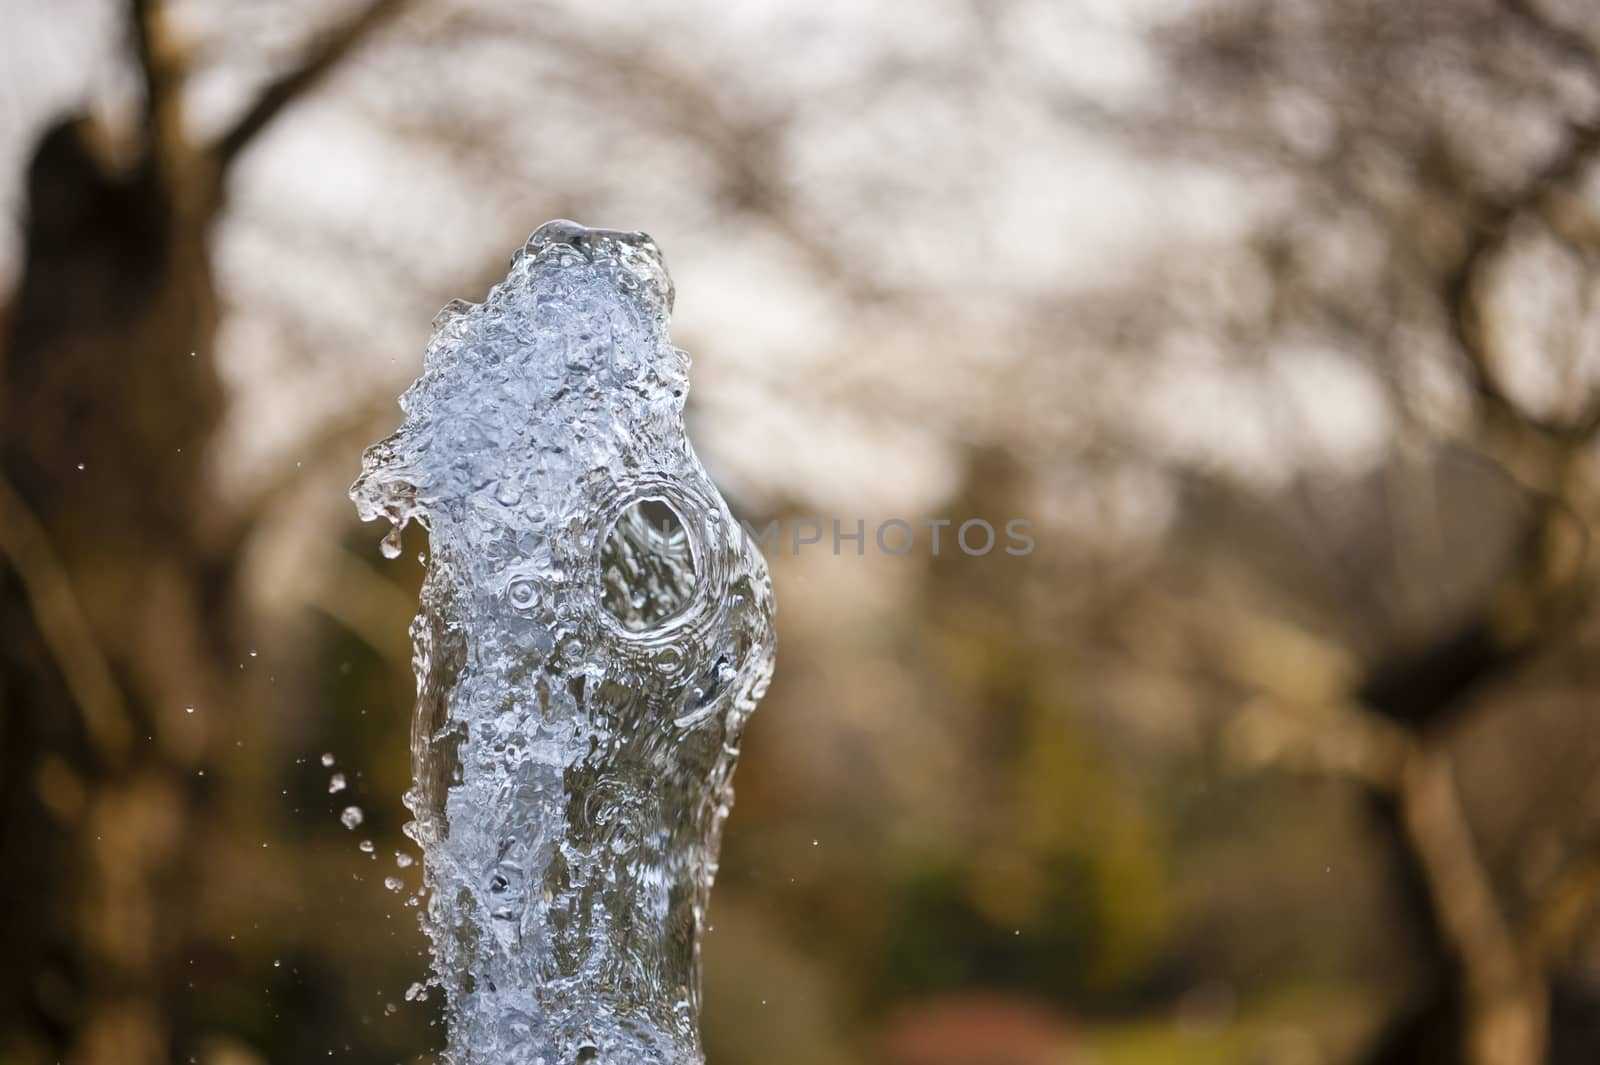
336, 784
351, 817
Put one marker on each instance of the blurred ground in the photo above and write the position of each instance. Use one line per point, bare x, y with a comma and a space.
1275, 320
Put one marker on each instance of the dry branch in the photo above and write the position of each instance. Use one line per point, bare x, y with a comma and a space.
291, 86
63, 627
162, 70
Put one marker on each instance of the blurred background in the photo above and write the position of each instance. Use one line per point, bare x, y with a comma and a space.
1277, 319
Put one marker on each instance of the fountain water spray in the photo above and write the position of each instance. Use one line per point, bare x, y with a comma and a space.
594, 630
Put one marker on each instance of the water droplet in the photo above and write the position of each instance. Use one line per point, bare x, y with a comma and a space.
188, 709
390, 545
393, 883
336, 784
80, 465
402, 860
366, 846
327, 759
351, 817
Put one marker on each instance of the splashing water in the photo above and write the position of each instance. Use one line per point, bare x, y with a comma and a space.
594, 630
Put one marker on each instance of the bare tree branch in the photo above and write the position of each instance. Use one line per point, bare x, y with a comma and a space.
335, 441
324, 57
161, 70
1490, 231
1556, 920
63, 627
1508, 998
1339, 739
361, 600
1563, 40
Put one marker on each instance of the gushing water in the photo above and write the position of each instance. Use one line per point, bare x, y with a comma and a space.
593, 632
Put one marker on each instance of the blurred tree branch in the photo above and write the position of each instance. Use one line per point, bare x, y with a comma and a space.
1446, 224
1507, 997
1556, 922
164, 66
26, 545
324, 56
365, 603
162, 69
1490, 224
1564, 41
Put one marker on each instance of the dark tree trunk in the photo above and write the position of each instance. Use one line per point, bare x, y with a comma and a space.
116, 604
119, 604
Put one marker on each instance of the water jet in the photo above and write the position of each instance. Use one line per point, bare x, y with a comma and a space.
593, 632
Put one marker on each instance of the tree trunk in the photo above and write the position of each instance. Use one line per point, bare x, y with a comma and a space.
117, 604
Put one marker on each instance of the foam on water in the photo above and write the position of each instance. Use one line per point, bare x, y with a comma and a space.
594, 630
